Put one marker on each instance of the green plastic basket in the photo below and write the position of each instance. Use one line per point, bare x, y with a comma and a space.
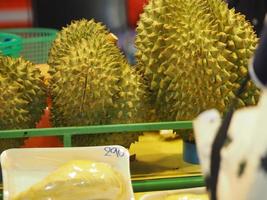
36, 42
10, 45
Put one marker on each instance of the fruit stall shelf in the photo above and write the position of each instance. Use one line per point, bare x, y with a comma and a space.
138, 185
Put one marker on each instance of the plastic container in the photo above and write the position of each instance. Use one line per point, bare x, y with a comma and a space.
22, 168
36, 42
164, 194
190, 153
10, 44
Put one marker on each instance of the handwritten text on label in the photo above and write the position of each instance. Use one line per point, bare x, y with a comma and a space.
110, 151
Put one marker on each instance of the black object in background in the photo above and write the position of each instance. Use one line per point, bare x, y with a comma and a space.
258, 69
254, 10
59, 13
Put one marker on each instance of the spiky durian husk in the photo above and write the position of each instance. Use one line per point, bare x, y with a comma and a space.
92, 84
194, 54
74, 33
22, 98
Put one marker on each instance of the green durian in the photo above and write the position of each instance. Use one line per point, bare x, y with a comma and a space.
22, 99
194, 55
74, 33
92, 84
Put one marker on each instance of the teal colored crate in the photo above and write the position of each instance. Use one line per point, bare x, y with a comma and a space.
10, 44
36, 42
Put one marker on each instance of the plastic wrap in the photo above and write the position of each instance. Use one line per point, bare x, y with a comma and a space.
186, 194
87, 173
82, 179
187, 197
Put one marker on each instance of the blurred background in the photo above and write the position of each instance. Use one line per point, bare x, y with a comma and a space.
120, 16
116, 14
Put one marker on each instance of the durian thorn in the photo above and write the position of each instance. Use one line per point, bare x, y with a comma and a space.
112, 38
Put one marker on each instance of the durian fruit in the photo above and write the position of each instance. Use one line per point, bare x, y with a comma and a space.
79, 179
194, 54
22, 98
75, 32
92, 84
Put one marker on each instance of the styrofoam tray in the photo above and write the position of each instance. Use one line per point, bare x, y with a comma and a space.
22, 168
164, 194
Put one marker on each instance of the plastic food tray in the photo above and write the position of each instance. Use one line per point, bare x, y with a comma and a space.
162, 194
22, 168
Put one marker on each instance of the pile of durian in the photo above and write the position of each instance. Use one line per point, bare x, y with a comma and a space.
191, 56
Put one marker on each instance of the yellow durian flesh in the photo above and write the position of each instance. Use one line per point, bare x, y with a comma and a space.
79, 179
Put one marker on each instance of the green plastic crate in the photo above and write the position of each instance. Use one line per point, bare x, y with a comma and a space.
36, 42
10, 44
138, 185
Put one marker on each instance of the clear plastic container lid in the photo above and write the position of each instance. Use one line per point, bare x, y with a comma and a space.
23, 168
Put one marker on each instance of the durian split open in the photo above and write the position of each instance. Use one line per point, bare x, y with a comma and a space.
81, 180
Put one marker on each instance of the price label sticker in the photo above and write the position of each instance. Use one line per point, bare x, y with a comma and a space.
114, 151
